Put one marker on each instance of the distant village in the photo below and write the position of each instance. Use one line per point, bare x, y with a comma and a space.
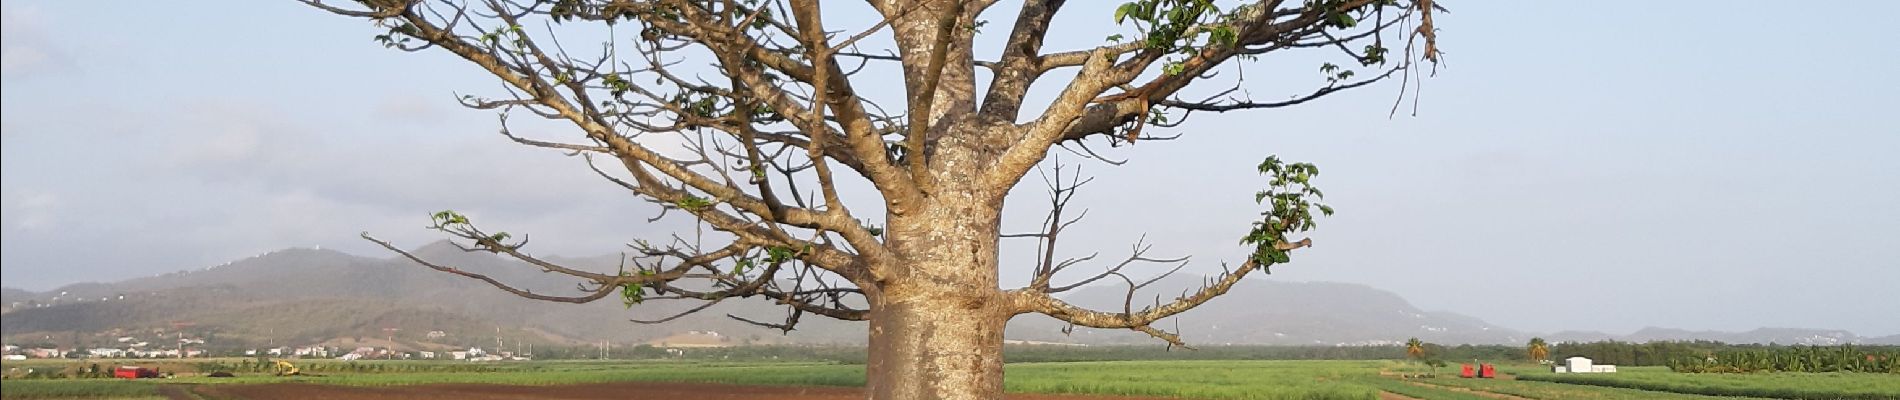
134, 347
192, 347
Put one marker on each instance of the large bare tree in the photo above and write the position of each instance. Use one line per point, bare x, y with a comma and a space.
772, 110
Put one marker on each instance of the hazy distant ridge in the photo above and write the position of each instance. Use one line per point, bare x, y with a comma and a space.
309, 295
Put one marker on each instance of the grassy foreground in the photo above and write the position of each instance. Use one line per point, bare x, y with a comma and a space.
1779, 385
1214, 380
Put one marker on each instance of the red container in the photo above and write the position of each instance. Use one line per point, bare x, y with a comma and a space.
1486, 370
1465, 372
131, 372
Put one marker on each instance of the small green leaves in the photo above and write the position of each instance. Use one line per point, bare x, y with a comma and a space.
1341, 20
1121, 13
1166, 24
1334, 74
1222, 35
1374, 54
776, 254
616, 85
1172, 68
448, 218
397, 35
693, 203
1292, 199
631, 294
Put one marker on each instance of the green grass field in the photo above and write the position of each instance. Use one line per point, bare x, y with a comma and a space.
78, 389
1781, 385
1316, 380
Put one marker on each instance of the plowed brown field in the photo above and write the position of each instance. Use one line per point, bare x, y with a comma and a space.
625, 390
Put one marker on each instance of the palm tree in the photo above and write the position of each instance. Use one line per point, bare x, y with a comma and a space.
1415, 349
1538, 349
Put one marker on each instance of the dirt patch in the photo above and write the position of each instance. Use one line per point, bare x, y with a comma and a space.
1395, 396
1479, 393
176, 392
624, 390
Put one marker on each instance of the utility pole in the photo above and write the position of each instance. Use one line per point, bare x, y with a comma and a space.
389, 334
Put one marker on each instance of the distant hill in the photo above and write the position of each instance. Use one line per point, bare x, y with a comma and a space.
1261, 311
1798, 336
303, 296
10, 295
308, 296
1889, 340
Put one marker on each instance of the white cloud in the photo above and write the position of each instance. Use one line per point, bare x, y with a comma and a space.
409, 108
24, 48
30, 209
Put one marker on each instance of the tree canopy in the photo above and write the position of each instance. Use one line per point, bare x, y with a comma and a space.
749, 115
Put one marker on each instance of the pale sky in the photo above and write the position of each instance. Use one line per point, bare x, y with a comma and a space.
1695, 164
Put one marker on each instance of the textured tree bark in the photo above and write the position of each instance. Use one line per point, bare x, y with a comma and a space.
936, 348
936, 329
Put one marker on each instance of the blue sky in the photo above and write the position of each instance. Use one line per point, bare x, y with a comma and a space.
1695, 164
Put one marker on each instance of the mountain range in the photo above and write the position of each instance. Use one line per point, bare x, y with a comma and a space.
312, 296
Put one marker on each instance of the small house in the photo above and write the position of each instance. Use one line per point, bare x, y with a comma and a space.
1581, 365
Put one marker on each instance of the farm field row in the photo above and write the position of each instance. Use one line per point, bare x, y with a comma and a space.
1780, 385
1320, 380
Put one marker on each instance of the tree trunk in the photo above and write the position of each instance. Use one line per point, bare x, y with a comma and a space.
937, 320
935, 349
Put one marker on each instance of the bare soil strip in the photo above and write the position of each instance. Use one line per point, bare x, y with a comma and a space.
622, 390
1469, 390
1395, 396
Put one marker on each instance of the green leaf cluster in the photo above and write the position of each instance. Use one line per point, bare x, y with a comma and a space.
1293, 202
1170, 26
693, 203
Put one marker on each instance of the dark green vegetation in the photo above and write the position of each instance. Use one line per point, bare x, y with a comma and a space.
1743, 357
1846, 358
1785, 385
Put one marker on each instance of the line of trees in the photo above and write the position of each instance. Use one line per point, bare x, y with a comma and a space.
1845, 358
1711, 356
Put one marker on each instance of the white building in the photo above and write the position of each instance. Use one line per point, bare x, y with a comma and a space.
1581, 365
312, 351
